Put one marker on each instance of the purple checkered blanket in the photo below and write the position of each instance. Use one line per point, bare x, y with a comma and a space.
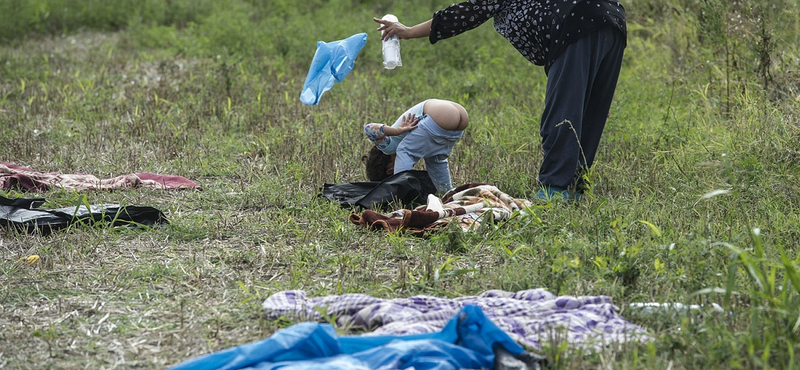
531, 317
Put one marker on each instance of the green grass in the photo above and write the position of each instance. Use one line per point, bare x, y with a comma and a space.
694, 199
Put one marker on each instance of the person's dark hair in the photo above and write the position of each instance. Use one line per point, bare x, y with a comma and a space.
376, 163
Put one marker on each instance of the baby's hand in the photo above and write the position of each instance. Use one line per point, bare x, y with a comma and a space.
409, 122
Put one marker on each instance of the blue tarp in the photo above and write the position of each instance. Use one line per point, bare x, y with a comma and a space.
332, 62
466, 342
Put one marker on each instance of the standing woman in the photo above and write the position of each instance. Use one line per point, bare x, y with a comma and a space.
579, 43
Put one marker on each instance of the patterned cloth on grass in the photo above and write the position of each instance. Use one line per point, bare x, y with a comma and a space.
531, 317
468, 205
13, 176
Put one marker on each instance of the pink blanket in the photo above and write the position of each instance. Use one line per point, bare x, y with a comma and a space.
22, 178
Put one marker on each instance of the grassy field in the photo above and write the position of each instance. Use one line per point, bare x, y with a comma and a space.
694, 199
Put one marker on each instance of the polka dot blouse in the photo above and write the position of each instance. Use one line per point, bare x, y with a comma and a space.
538, 29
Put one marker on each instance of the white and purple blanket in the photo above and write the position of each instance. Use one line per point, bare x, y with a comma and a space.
531, 317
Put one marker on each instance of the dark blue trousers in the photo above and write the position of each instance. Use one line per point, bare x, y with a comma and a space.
580, 86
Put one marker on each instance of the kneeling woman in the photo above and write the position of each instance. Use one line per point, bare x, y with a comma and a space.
428, 130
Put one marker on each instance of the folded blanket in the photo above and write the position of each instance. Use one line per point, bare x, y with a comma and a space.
468, 205
13, 176
530, 317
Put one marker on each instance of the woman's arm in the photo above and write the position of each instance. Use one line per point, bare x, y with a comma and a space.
390, 28
462, 17
448, 22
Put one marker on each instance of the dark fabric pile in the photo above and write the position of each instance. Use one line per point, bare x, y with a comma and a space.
24, 214
408, 187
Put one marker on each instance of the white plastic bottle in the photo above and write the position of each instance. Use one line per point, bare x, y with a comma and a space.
391, 47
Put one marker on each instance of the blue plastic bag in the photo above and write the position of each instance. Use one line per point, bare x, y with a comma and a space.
332, 62
299, 342
466, 342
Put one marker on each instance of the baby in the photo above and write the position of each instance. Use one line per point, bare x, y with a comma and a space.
428, 130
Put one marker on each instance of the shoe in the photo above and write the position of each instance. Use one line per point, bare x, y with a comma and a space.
552, 193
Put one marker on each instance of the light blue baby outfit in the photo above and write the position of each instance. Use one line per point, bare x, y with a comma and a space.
428, 141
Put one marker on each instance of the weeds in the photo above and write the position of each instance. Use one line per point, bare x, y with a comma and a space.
692, 197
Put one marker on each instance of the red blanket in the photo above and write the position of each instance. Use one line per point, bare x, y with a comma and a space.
13, 176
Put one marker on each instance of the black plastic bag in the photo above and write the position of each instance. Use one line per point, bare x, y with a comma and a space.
504, 360
409, 187
24, 214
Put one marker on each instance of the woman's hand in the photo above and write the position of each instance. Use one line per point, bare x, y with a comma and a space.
390, 29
